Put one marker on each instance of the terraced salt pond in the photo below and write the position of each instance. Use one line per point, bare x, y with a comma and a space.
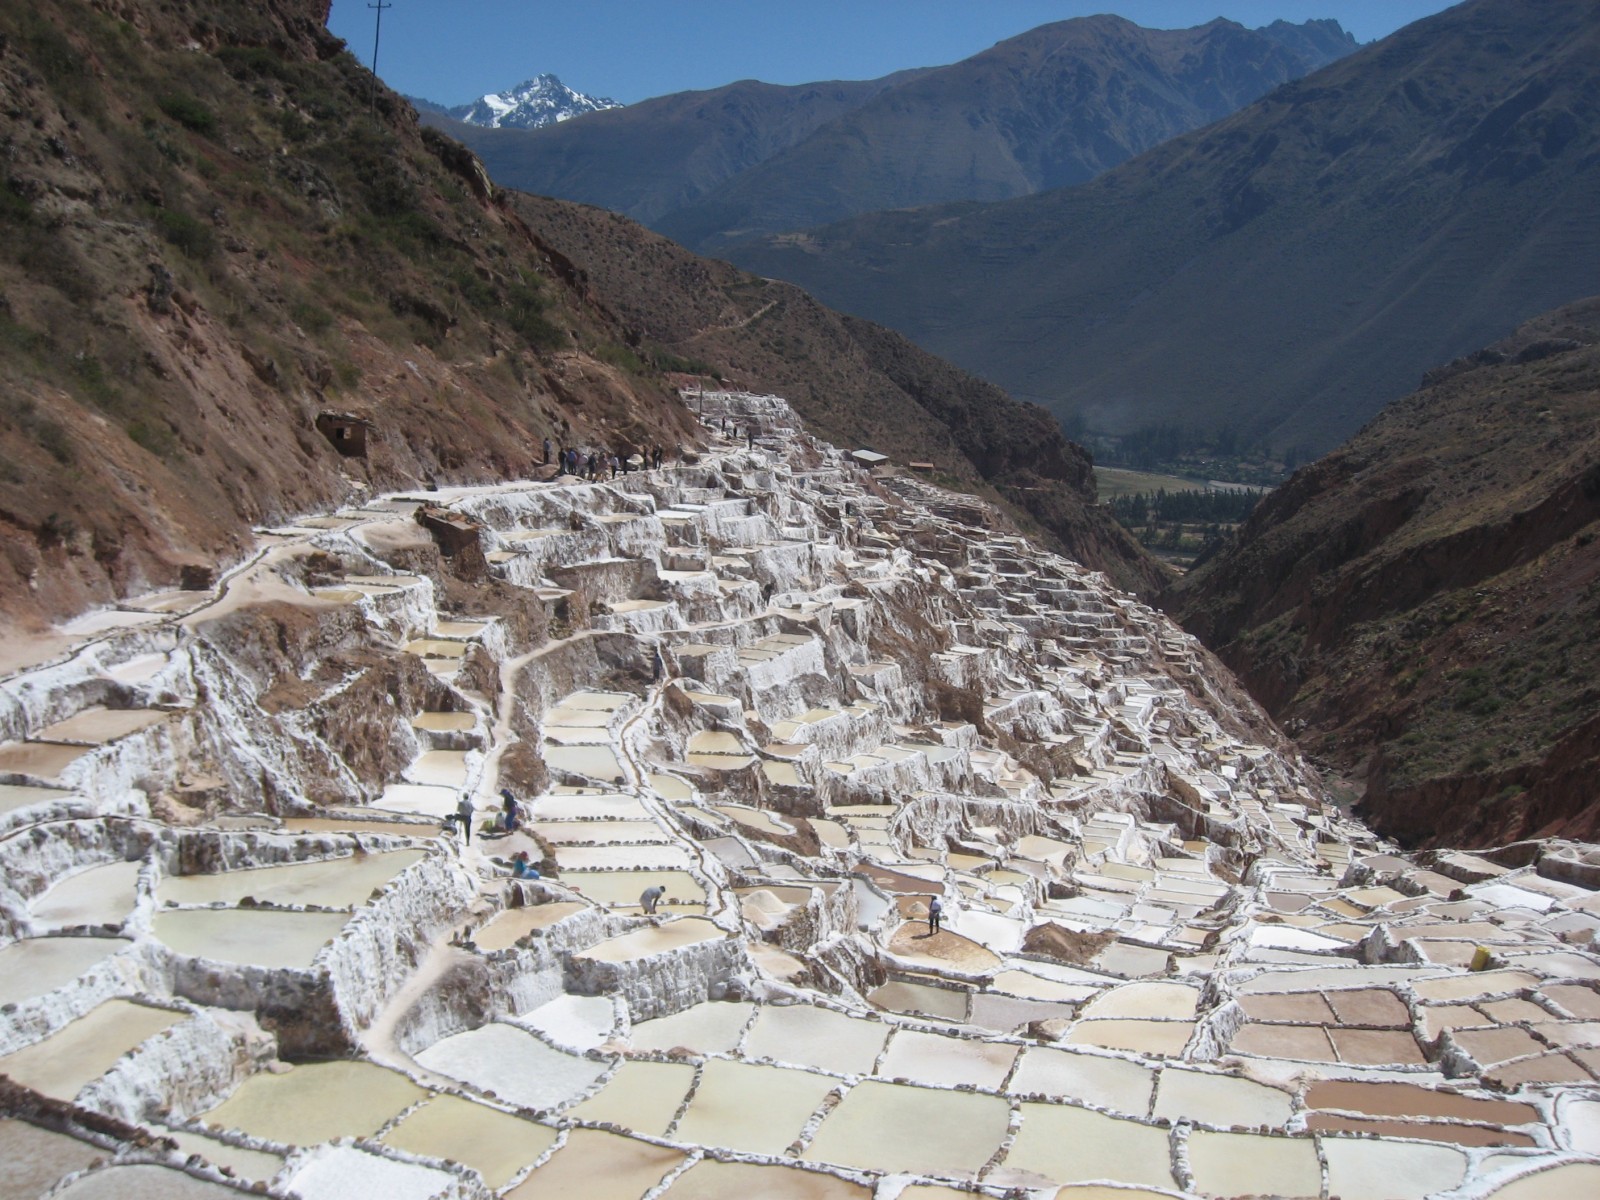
64, 1063
249, 937
342, 882
38, 966
1116, 1007
316, 1102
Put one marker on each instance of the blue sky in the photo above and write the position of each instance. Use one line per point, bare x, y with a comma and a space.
452, 51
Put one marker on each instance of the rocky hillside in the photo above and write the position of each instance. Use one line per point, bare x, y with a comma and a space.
1054, 106
220, 246
1285, 272
1422, 604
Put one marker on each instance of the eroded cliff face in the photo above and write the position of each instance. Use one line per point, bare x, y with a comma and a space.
219, 243
1421, 605
239, 282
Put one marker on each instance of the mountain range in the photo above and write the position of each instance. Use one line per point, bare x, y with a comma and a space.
1053, 106
1420, 606
534, 104
1282, 273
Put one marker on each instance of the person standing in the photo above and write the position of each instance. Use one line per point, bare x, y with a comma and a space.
547, 452
464, 815
935, 914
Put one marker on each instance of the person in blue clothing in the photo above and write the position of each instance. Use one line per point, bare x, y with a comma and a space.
512, 815
935, 914
521, 868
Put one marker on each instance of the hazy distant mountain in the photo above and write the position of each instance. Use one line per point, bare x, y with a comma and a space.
1420, 604
537, 103
655, 156
1053, 106
1286, 271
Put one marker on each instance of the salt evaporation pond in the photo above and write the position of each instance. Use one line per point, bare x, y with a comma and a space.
250, 937
596, 1165
514, 1065
622, 889
348, 1173
344, 882
101, 895
36, 966
513, 924
1068, 1145
316, 1102
495, 1144
35, 1158
709, 1179
143, 1183
643, 1096
67, 1061
757, 1109
713, 1027
654, 939
811, 1036
896, 1127
243, 1162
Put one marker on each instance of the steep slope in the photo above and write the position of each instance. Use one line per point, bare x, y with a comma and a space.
220, 247
655, 156
1286, 271
1052, 107
1423, 603
856, 383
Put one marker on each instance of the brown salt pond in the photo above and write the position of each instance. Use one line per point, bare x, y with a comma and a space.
67, 1061
344, 882
1152, 1038
595, 1165
37, 966
97, 726
944, 950
316, 1102
495, 1144
511, 926
101, 895
249, 937
39, 760
895, 1127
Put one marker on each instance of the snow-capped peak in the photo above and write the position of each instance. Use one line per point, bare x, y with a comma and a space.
542, 100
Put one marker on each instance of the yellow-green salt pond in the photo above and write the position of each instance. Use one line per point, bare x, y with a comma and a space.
495, 1144
250, 937
316, 1102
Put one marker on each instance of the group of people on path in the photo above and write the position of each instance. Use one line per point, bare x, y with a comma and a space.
601, 464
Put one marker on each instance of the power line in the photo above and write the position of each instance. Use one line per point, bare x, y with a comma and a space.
377, 32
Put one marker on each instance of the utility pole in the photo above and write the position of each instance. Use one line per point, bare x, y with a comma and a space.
377, 32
